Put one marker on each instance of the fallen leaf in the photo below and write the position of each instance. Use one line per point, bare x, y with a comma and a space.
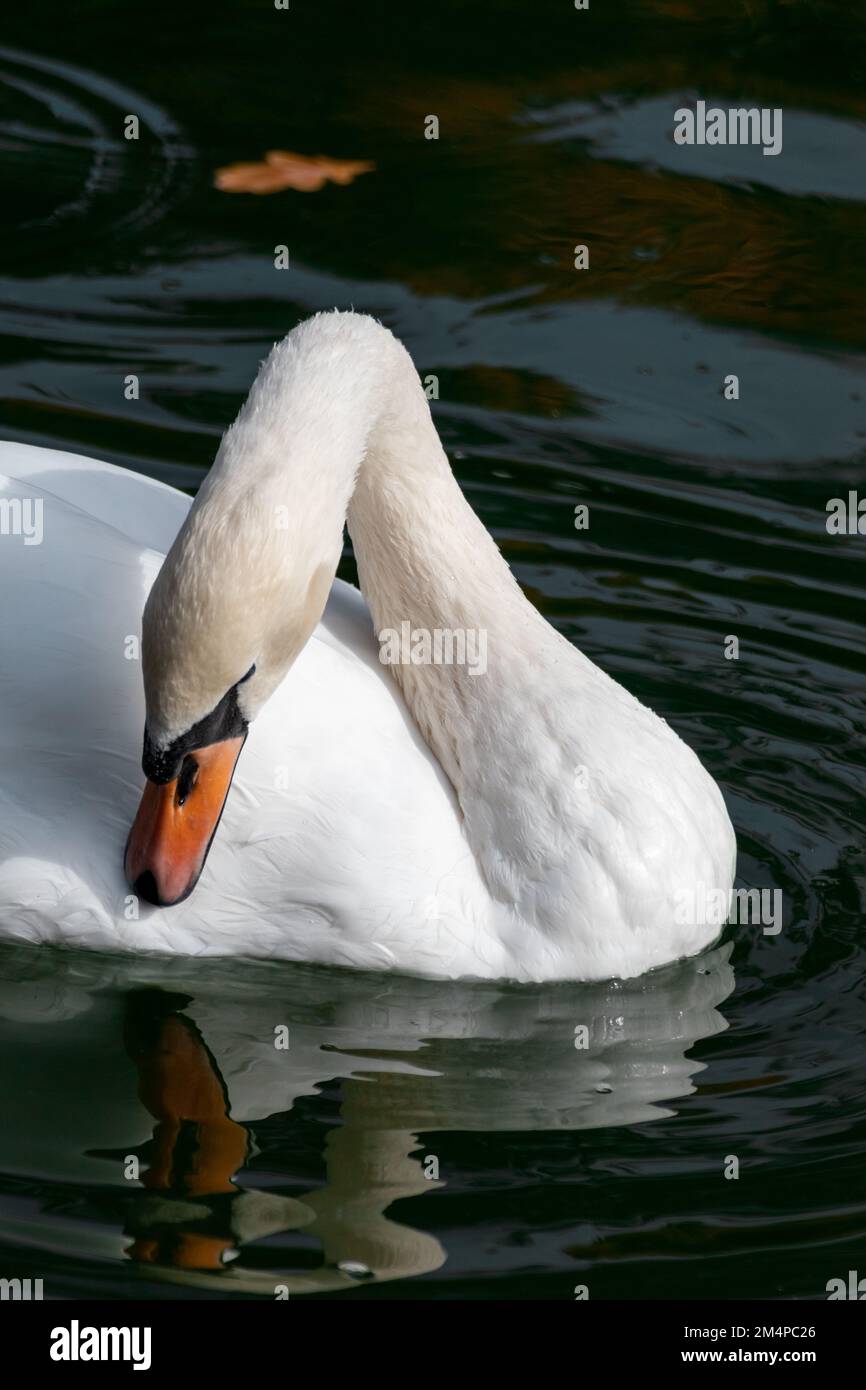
282, 169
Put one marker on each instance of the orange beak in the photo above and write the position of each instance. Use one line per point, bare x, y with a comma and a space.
176, 822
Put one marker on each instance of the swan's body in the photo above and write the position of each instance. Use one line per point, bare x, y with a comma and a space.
546, 825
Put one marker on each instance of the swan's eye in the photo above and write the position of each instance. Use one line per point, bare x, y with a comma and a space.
187, 779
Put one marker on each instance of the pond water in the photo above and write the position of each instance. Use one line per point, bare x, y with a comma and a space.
426, 1141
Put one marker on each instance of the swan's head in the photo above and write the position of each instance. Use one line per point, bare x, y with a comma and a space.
234, 604
188, 781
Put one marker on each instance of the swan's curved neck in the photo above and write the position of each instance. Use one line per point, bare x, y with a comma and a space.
337, 428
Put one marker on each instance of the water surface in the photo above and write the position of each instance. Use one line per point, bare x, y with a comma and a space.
557, 1166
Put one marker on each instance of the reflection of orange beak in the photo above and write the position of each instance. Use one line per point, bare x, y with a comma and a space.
176, 822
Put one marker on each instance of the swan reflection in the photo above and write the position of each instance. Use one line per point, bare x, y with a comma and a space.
164, 1072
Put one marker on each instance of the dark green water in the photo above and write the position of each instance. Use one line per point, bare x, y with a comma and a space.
557, 1167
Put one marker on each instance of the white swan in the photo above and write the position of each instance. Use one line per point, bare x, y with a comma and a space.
530, 820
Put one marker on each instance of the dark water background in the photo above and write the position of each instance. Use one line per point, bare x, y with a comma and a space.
557, 1167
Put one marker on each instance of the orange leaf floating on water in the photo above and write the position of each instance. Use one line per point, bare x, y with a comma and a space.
282, 169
